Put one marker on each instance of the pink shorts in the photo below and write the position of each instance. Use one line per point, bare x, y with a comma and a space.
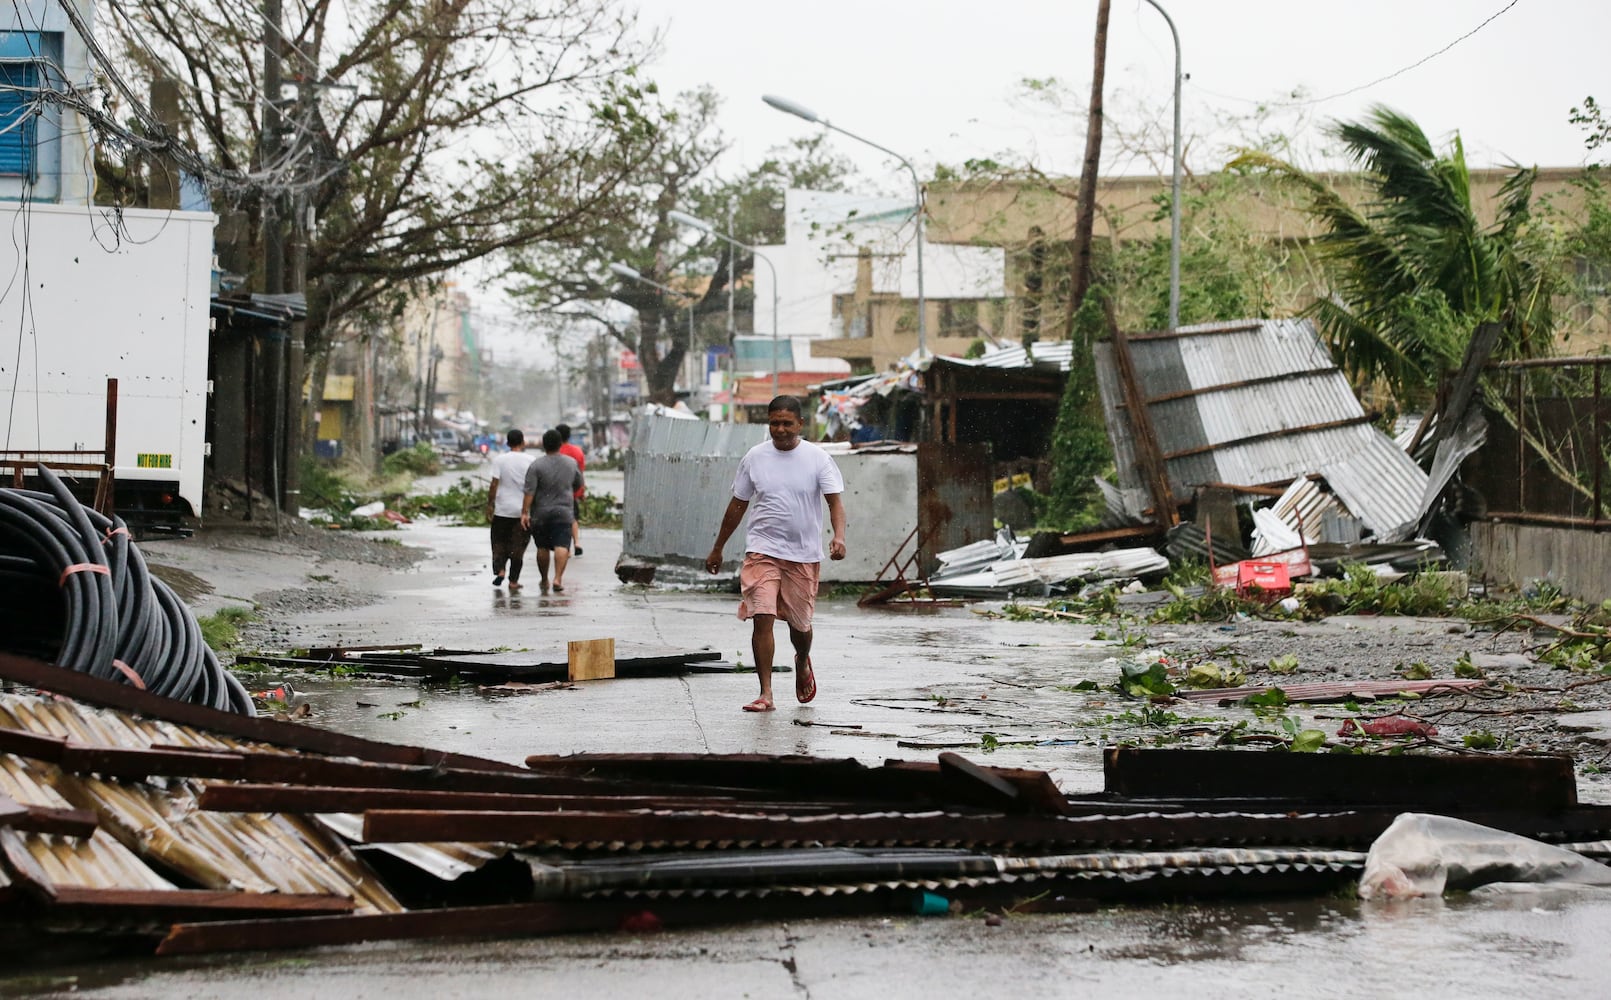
772, 586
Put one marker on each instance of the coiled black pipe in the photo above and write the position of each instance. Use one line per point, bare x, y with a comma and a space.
116, 620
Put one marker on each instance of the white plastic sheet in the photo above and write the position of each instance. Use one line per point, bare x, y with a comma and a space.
1425, 855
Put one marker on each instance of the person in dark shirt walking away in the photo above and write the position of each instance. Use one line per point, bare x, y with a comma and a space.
788, 480
546, 511
504, 503
566, 448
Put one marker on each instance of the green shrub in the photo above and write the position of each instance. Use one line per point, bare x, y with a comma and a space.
1080, 449
600, 510
324, 488
223, 629
420, 460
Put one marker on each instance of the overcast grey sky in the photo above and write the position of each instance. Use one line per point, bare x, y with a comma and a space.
936, 79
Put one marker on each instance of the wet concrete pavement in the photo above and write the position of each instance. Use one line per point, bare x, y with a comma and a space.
935, 679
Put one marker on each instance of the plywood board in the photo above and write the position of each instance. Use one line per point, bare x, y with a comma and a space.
590, 659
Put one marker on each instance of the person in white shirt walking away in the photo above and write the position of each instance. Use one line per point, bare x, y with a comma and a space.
787, 480
504, 500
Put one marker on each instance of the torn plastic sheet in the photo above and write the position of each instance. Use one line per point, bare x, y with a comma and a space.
1427, 855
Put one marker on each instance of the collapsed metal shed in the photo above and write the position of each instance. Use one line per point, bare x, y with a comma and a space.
1254, 403
679, 477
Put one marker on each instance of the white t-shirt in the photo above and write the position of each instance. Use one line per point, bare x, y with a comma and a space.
785, 491
509, 469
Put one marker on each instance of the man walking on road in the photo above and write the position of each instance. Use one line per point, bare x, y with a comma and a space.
550, 487
504, 502
566, 448
788, 480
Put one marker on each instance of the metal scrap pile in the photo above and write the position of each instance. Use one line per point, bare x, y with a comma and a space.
195, 830
78, 593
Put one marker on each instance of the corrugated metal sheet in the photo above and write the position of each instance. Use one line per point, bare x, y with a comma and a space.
1048, 354
674, 499
1377, 481
160, 820
654, 434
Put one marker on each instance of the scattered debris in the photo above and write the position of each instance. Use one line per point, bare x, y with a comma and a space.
1337, 691
492, 668
160, 819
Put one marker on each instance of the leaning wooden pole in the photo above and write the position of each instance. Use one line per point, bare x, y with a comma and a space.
1085, 221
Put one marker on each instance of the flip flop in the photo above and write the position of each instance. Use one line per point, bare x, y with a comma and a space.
760, 705
805, 680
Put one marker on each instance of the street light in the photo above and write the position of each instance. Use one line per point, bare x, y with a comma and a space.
631, 274
1174, 189
799, 111
683, 218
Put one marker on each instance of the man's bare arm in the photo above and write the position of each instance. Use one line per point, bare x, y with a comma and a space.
836, 517
731, 518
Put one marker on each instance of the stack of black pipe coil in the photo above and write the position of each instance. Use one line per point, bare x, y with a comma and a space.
77, 593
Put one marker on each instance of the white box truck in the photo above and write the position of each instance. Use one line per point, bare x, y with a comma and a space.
89, 293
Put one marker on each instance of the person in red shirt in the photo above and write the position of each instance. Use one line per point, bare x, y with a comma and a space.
566, 448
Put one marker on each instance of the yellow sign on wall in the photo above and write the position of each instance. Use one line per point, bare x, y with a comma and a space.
147, 460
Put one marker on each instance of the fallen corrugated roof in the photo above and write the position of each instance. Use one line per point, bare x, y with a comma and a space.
149, 826
1253, 403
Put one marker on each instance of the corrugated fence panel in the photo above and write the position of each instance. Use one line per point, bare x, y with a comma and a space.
674, 502
673, 506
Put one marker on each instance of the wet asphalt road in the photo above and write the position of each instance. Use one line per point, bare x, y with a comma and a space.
927, 679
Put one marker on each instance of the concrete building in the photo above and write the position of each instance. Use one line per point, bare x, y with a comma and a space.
847, 285
1019, 217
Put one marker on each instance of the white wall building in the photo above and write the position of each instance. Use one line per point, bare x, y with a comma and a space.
824, 234
44, 148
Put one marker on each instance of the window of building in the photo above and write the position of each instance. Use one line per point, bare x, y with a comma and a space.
852, 320
30, 130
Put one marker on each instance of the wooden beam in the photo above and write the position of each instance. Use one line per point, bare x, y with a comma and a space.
320, 799
1269, 436
972, 782
1180, 334
32, 745
128, 762
47, 819
1154, 470
109, 694
1533, 784
173, 901
510, 920
1169, 397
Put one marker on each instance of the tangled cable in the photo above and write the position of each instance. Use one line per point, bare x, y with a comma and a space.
79, 594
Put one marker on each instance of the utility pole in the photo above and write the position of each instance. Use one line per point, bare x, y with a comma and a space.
1085, 221
273, 246
732, 326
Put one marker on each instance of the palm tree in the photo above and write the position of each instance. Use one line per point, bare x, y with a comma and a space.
1412, 269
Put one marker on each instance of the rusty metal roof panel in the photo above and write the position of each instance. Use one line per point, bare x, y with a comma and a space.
160, 819
97, 861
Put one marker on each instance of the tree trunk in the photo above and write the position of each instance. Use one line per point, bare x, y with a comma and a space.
1085, 222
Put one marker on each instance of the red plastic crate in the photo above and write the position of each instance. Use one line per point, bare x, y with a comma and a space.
1265, 580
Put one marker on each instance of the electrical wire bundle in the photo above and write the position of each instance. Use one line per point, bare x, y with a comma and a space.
79, 594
